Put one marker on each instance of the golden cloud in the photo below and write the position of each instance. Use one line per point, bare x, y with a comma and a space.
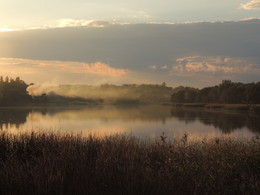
164, 67
212, 64
103, 69
97, 68
87, 23
153, 67
254, 4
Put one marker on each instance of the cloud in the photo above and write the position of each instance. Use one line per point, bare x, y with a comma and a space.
164, 67
88, 23
250, 19
103, 69
254, 4
140, 14
68, 22
136, 53
73, 22
135, 45
199, 64
153, 67
61, 71
97, 68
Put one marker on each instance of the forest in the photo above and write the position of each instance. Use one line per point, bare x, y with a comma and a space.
15, 92
227, 92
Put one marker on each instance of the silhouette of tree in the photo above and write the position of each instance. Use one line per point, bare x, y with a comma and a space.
227, 92
13, 92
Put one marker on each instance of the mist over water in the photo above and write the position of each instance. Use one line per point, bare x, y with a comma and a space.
128, 93
146, 121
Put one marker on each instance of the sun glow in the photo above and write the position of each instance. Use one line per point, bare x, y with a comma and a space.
5, 30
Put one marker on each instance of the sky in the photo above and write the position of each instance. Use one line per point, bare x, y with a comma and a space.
181, 42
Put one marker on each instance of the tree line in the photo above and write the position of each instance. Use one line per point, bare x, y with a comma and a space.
227, 92
13, 91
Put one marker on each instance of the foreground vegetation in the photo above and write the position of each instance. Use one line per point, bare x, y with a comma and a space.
66, 164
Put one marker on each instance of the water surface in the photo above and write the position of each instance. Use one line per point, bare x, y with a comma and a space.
142, 121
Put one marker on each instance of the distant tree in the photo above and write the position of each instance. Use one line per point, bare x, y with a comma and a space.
7, 79
13, 92
225, 92
17, 79
225, 84
190, 95
184, 94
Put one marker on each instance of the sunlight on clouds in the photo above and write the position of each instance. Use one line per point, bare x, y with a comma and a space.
103, 69
212, 64
153, 67
74, 23
87, 23
97, 68
140, 14
250, 19
164, 67
5, 29
64, 23
60, 71
254, 4
68, 22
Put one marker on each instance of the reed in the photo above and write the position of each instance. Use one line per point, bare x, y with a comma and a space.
49, 163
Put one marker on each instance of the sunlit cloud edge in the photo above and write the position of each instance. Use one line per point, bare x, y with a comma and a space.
73, 23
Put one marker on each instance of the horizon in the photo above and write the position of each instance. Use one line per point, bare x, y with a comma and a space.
51, 84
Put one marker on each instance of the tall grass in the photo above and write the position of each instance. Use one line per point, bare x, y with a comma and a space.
45, 163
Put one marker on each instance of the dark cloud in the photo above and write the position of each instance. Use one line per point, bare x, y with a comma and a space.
135, 45
141, 48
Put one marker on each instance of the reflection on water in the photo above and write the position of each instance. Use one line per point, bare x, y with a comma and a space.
142, 121
225, 121
12, 117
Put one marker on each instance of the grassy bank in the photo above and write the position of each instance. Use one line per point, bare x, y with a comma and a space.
66, 164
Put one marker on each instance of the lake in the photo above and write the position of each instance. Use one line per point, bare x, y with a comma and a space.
146, 121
